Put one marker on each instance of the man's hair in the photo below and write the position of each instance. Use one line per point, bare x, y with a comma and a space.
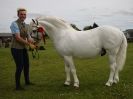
21, 9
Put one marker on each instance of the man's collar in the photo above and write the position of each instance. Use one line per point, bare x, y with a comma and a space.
21, 21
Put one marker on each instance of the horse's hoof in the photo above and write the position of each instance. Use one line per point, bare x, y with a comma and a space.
116, 80
108, 84
65, 85
76, 87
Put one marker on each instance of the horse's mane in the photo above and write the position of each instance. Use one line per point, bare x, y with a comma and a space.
57, 22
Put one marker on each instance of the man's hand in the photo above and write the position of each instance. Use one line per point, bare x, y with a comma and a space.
31, 40
32, 46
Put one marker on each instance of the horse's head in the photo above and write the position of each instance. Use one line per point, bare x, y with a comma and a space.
37, 31
53, 26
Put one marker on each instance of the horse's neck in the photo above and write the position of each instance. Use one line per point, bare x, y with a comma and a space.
59, 24
53, 32
56, 29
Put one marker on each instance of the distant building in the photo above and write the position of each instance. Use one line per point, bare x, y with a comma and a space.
129, 35
5, 39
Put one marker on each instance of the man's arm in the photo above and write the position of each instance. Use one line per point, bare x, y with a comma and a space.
16, 32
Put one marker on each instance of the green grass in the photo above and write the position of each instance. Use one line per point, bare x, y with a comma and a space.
48, 74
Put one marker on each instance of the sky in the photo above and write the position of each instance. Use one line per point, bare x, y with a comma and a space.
118, 13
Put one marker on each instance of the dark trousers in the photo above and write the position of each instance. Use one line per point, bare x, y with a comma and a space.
21, 59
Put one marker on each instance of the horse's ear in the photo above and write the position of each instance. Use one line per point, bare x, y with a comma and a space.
33, 21
37, 22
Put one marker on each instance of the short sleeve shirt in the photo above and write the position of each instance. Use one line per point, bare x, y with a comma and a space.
14, 28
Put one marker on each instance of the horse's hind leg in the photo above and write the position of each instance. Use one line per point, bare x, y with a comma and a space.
112, 59
116, 76
69, 61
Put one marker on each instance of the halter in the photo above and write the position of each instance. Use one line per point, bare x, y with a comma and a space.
35, 53
37, 39
39, 29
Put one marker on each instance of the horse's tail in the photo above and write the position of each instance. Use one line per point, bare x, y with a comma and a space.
121, 55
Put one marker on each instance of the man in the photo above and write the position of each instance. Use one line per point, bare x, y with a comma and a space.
20, 40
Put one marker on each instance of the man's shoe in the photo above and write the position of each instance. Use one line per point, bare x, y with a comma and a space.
20, 89
29, 83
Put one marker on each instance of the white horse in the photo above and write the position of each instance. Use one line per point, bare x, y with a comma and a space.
71, 43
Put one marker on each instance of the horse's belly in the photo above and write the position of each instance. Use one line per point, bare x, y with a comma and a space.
79, 52
84, 53
79, 49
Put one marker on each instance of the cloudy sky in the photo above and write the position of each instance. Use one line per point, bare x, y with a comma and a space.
117, 13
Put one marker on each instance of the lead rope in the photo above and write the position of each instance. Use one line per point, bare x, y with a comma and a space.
35, 52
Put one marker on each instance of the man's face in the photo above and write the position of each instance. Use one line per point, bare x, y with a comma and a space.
22, 15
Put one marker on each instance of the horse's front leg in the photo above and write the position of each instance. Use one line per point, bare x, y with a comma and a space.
69, 61
67, 70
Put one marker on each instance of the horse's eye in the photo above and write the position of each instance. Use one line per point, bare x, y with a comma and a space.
34, 30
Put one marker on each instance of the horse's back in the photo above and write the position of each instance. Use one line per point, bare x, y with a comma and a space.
92, 41
110, 36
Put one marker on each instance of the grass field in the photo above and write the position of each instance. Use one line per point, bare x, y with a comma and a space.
48, 75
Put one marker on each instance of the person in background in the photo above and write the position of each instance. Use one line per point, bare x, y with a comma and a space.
20, 40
